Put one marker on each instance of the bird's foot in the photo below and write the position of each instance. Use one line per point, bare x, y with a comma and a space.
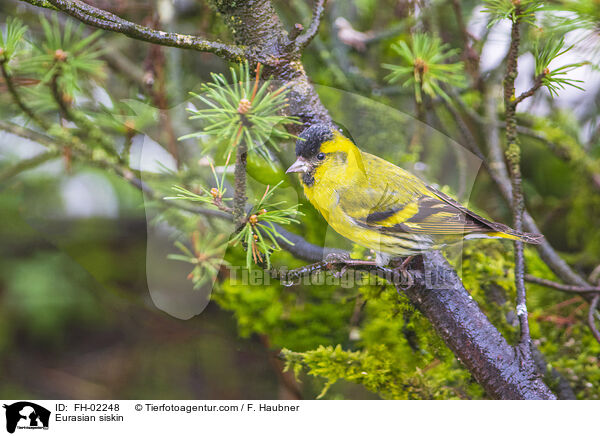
344, 258
336, 257
406, 276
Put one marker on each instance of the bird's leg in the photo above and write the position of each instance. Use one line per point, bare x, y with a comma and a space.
403, 270
335, 258
382, 259
404, 265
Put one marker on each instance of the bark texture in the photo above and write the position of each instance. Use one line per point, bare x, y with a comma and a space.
256, 25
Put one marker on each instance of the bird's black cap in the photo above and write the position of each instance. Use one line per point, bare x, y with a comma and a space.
311, 139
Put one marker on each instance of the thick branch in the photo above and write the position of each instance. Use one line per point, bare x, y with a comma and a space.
108, 21
440, 295
239, 198
472, 337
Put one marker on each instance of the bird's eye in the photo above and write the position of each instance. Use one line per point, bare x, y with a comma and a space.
321, 156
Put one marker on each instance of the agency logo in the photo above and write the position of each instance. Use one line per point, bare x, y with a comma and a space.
26, 415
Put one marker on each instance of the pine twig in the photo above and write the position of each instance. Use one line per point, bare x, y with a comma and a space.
537, 84
80, 151
25, 165
87, 129
108, 21
17, 98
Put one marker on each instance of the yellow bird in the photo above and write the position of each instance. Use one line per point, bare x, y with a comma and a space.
380, 206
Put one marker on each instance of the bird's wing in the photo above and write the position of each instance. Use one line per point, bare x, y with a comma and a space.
395, 201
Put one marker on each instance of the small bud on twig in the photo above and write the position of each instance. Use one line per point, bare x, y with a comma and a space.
421, 66
130, 125
296, 31
67, 99
244, 106
60, 55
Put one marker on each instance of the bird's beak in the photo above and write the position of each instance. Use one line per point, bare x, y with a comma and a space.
300, 166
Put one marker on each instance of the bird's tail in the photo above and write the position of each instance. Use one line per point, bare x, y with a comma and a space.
502, 231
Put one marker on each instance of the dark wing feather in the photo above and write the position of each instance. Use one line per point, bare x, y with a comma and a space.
395, 202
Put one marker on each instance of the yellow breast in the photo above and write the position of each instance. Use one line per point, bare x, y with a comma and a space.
338, 176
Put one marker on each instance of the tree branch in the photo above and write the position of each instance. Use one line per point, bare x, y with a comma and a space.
578, 157
257, 25
26, 164
452, 311
117, 168
499, 173
108, 21
537, 84
471, 336
591, 317
560, 286
301, 248
318, 10
470, 55
439, 294
239, 197
87, 129
513, 156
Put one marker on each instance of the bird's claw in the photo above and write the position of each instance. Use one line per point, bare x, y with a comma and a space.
406, 276
335, 257
340, 273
